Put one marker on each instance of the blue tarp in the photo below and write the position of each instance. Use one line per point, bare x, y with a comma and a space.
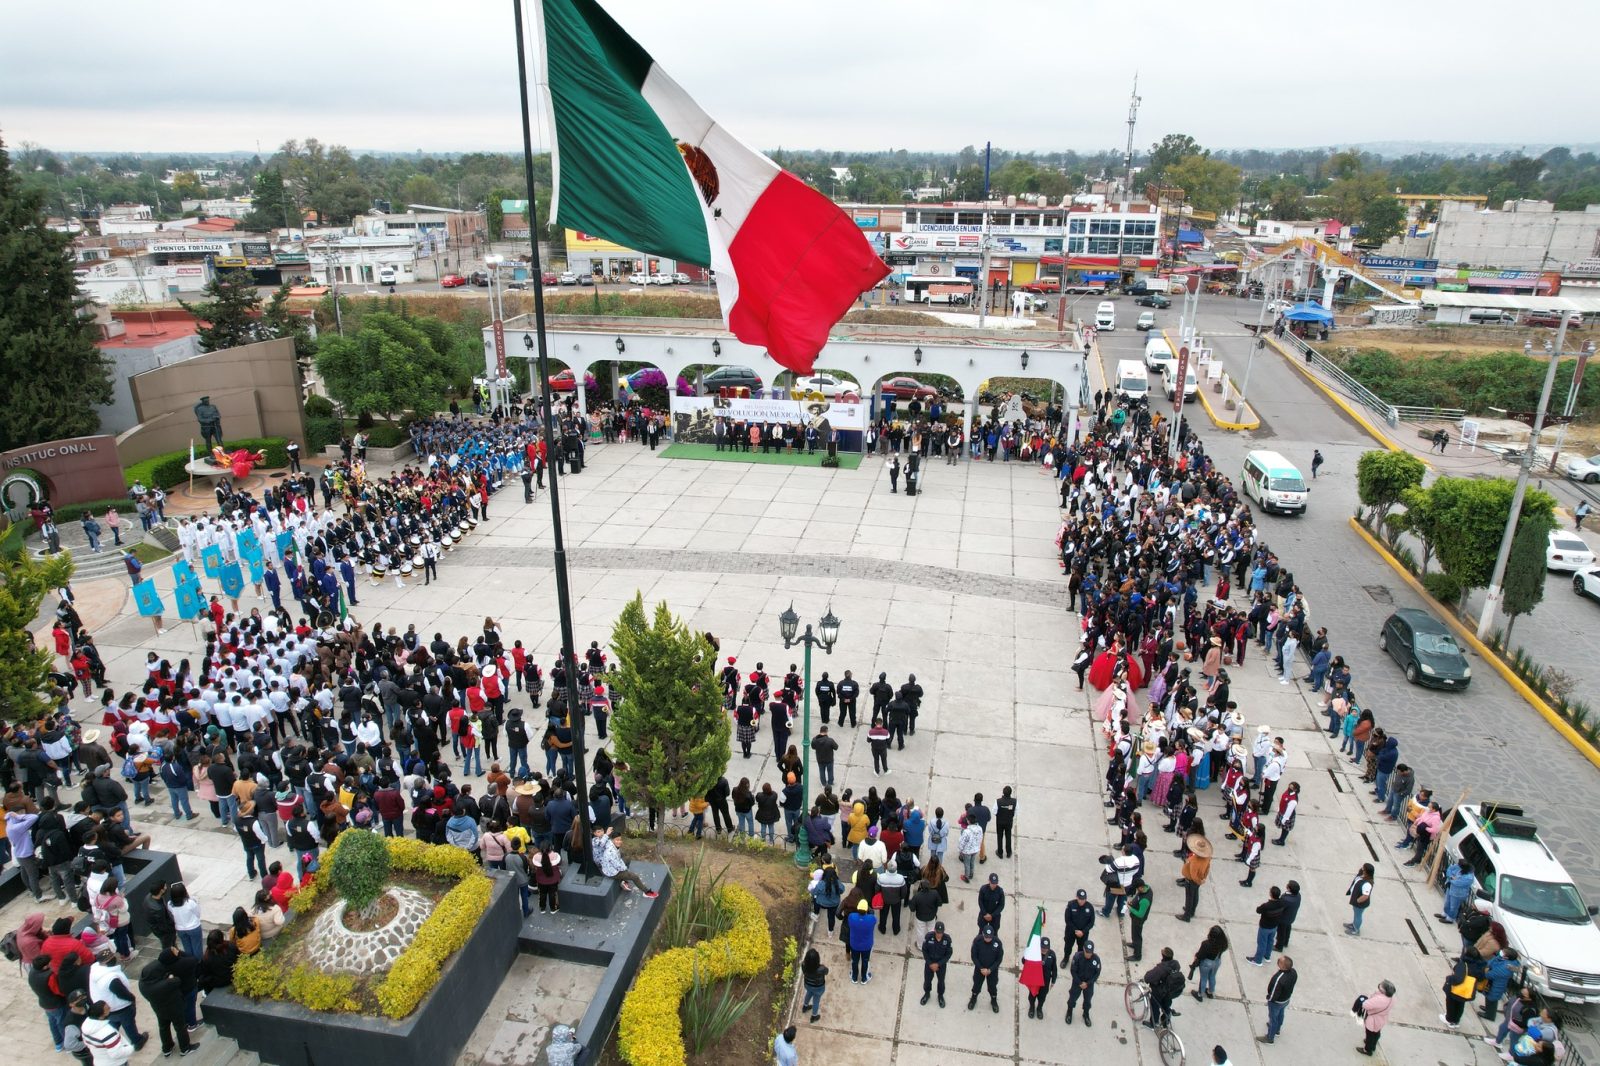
1309, 312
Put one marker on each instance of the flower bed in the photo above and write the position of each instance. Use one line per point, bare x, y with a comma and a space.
650, 1028
281, 972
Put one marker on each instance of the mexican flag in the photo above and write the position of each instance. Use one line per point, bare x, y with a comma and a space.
638, 163
1032, 976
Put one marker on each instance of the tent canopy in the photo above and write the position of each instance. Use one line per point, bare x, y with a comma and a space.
1309, 312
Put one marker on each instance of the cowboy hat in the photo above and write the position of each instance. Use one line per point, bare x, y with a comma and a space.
89, 736
1200, 846
1263, 729
526, 789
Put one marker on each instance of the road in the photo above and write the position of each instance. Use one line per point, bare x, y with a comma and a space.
1486, 739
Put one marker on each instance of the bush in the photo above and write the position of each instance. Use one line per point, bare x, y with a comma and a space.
445, 932
650, 1030
321, 433
1446, 588
170, 469
360, 869
318, 407
315, 990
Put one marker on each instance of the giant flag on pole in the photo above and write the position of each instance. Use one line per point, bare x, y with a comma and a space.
639, 163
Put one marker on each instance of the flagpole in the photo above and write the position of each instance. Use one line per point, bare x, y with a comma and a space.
575, 709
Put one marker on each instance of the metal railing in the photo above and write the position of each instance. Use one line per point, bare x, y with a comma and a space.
1429, 414
1342, 381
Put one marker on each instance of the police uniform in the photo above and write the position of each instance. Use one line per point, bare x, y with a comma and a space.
936, 952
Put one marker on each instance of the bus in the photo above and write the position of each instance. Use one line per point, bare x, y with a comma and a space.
939, 290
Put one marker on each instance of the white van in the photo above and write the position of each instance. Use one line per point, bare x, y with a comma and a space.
1105, 316
1158, 355
1132, 381
1274, 482
386, 275
1169, 384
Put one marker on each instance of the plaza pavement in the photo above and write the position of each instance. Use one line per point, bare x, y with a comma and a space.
958, 586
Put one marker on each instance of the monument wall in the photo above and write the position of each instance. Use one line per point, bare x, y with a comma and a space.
256, 387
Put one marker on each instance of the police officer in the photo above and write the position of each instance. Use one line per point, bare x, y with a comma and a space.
936, 951
898, 718
913, 695
881, 692
1084, 971
1047, 960
1079, 920
824, 690
987, 955
849, 692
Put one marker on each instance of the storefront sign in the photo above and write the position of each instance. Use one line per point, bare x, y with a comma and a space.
74, 470
191, 247
1389, 262
792, 412
866, 221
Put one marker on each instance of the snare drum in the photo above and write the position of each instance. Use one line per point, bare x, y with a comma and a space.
416, 560
406, 568
378, 571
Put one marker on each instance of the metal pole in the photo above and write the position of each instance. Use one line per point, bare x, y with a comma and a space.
575, 712
1250, 362
802, 849
1492, 598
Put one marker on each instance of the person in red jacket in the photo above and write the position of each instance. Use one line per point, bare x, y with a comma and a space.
61, 943
63, 639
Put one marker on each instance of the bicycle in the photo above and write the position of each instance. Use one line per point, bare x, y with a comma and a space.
1141, 1008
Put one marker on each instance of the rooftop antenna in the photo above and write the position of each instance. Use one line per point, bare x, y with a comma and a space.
1133, 117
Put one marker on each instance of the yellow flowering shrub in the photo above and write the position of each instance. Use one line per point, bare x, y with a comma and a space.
416, 971
650, 1032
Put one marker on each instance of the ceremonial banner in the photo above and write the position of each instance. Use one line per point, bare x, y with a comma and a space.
211, 560
232, 580
191, 601
148, 599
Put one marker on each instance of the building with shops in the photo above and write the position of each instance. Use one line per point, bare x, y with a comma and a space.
588, 254
359, 260
1523, 235
1094, 241
128, 218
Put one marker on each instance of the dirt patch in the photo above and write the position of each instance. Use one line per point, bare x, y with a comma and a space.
383, 912
1432, 340
772, 878
874, 316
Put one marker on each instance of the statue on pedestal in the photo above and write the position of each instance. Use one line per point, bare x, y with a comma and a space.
210, 420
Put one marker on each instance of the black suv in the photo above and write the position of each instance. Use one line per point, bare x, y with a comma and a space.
732, 377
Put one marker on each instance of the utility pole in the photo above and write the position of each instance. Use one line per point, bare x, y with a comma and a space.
983, 278
1496, 593
1133, 116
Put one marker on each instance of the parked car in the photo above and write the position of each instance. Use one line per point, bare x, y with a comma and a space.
1581, 469
1586, 582
567, 278
907, 388
586, 278
386, 276
1146, 322
680, 278
1567, 551
1043, 285
638, 277
829, 385
1169, 382
1278, 307
1551, 318
1530, 899
480, 278
452, 281
1425, 649
732, 377
1085, 288
548, 277
1033, 302
1153, 299
564, 381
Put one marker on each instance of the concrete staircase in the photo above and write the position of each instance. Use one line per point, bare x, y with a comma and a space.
218, 1050
107, 562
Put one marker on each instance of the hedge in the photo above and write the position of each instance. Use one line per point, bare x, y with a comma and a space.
650, 1030
417, 969
170, 470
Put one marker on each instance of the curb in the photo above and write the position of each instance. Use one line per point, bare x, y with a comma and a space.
1231, 427
1584, 748
1360, 419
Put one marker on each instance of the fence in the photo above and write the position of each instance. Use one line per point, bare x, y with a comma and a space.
1340, 380
1429, 414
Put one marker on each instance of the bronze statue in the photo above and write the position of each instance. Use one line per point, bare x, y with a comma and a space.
210, 420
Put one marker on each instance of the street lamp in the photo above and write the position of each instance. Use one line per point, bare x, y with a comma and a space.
788, 627
917, 355
621, 347
1024, 360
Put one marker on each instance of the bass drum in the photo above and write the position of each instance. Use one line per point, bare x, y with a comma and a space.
406, 568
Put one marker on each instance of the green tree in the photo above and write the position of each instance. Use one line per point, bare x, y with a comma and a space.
1167, 152
388, 367
277, 320
1471, 519
1381, 218
361, 869
1208, 184
231, 316
420, 189
1348, 198
1382, 477
324, 179
187, 186
1421, 519
25, 687
670, 728
270, 205
496, 216
1282, 198
53, 373
1525, 571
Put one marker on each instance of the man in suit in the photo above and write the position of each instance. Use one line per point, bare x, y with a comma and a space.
720, 433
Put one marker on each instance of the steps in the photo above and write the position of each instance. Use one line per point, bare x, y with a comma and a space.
107, 562
218, 1050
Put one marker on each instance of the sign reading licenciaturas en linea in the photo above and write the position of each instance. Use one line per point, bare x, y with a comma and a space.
839, 415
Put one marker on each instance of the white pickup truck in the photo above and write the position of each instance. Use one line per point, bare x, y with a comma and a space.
1533, 904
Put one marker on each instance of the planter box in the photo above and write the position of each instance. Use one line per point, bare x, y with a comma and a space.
374, 455
287, 1034
143, 868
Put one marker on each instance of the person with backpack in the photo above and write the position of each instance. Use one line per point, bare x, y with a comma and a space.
179, 780
1166, 983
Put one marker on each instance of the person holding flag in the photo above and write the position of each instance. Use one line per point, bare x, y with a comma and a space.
1039, 969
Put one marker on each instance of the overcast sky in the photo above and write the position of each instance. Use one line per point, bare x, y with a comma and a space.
402, 75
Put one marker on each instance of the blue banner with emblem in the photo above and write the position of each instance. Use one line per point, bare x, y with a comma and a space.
258, 567
285, 542
148, 599
190, 599
249, 545
211, 560
183, 573
232, 579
